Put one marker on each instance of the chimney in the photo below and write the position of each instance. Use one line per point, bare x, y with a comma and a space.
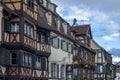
75, 22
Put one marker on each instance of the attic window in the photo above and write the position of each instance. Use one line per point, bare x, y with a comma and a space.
49, 18
30, 4
58, 24
65, 28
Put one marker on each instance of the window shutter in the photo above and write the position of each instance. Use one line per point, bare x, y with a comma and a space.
6, 57
58, 43
21, 58
6, 25
1, 57
104, 69
52, 70
61, 44
96, 70
43, 63
57, 70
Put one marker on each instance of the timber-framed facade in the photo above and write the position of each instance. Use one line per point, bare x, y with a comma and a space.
25, 44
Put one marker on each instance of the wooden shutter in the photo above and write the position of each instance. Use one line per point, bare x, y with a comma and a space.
58, 43
6, 57
57, 70
52, 66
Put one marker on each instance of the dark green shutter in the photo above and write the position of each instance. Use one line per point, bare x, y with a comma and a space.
6, 57
21, 58
58, 43
57, 70
52, 69
61, 44
34, 60
1, 56
43, 63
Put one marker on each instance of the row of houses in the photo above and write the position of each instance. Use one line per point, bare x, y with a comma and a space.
36, 43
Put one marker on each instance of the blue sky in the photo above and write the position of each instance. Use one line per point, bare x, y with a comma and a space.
103, 15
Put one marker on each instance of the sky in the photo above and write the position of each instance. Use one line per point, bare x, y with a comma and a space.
102, 15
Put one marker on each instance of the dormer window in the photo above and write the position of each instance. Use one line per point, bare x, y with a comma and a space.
30, 4
65, 28
49, 18
44, 3
58, 24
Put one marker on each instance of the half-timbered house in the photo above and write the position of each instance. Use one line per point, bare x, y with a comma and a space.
103, 61
83, 55
24, 40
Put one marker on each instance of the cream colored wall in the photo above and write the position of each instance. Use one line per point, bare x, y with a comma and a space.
93, 45
1, 22
59, 56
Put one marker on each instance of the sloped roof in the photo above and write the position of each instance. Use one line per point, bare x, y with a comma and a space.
81, 29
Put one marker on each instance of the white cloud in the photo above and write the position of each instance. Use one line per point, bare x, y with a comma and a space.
115, 59
112, 37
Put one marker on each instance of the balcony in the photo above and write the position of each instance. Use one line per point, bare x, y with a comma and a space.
45, 48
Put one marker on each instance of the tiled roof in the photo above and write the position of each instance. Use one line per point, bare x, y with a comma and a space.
81, 29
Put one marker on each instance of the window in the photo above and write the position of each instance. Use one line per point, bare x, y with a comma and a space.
69, 49
14, 27
28, 30
13, 58
30, 4
100, 68
58, 24
62, 71
42, 37
27, 60
75, 52
63, 45
99, 55
65, 28
55, 42
75, 72
38, 61
49, 18
7, 25
44, 63
54, 70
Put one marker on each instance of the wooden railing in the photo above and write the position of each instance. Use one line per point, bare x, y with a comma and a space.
43, 47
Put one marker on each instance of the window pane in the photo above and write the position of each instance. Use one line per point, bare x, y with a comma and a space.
99, 55
13, 58
14, 27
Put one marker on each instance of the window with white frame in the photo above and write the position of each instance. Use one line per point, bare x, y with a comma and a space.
65, 27
58, 24
38, 62
69, 47
44, 3
29, 30
75, 72
27, 59
99, 54
62, 71
54, 70
55, 42
75, 51
41, 37
49, 18
100, 68
63, 45
14, 27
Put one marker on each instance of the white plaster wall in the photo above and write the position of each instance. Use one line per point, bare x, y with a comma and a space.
60, 57
1, 22
117, 76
